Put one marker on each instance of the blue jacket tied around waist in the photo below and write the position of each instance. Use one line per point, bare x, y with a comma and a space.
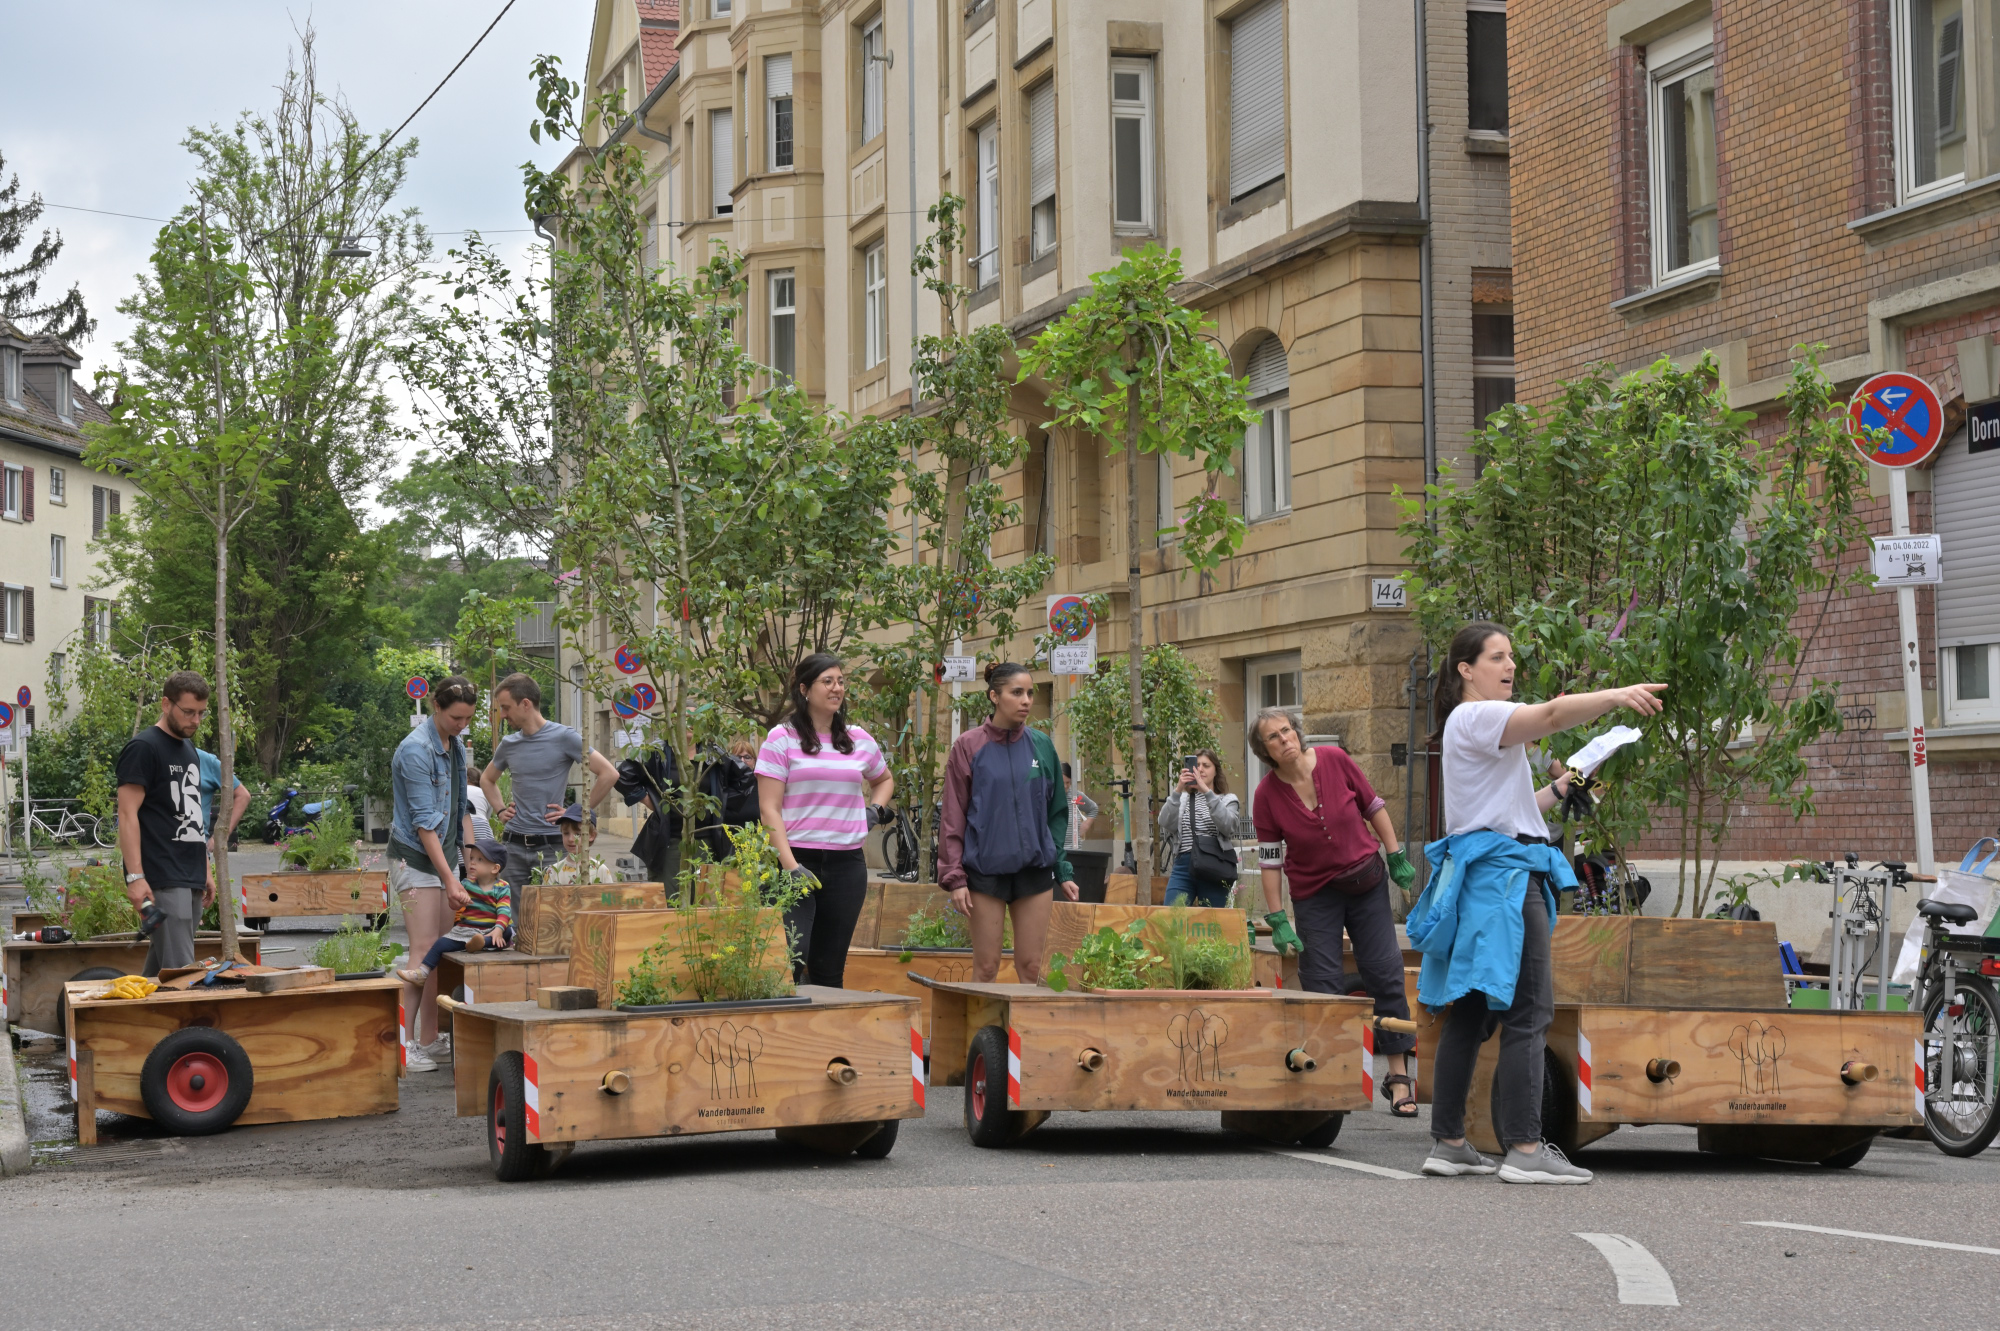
1467, 922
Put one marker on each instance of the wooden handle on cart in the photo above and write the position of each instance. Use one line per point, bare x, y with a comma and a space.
1854, 1072
1396, 1024
617, 1082
1662, 1069
841, 1072
1298, 1060
1090, 1060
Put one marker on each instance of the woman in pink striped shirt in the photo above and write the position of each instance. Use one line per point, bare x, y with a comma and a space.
821, 784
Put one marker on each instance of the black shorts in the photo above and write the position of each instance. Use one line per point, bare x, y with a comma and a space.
1012, 886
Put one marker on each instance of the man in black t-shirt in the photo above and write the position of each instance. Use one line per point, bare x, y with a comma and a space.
160, 832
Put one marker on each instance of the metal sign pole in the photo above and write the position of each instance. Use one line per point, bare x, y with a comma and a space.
1913, 683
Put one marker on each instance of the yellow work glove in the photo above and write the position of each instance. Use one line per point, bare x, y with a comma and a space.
131, 986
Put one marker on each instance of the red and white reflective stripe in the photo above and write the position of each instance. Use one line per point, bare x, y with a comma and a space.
402, 1034
1013, 1067
1368, 1062
467, 986
72, 1069
531, 1096
917, 1066
1582, 1071
1917, 1077
5, 1012
385, 894
243, 899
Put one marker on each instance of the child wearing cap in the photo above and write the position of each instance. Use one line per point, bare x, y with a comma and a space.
577, 865
487, 920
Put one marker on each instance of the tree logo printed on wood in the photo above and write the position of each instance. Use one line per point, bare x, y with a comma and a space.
733, 1050
1199, 1036
1757, 1048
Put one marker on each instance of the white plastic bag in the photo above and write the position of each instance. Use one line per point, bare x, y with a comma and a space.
1966, 885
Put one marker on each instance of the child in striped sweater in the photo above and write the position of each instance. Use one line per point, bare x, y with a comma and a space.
486, 921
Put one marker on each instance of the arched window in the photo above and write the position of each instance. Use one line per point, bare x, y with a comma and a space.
1267, 444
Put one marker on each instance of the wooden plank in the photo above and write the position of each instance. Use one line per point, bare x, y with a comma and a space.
36, 972
868, 925
342, 893
317, 1053
608, 943
1705, 964
951, 1036
86, 1098
1190, 1053
474, 1046
899, 902
499, 977
547, 913
879, 970
1589, 956
1122, 889
724, 1071
303, 977
565, 998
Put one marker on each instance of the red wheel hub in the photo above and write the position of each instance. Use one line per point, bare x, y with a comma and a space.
197, 1082
499, 1120
979, 1087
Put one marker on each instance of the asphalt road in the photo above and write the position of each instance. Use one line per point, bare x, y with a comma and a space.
1158, 1220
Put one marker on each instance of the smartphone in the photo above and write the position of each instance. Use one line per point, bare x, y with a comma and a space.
1187, 762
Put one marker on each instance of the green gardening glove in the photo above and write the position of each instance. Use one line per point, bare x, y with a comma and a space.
1402, 870
1283, 936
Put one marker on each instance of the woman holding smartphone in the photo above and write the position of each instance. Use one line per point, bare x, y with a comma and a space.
1005, 820
1483, 922
1201, 806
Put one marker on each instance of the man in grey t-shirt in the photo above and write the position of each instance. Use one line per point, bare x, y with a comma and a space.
540, 754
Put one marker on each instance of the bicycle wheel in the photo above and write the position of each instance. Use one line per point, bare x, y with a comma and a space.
104, 832
80, 828
1959, 1104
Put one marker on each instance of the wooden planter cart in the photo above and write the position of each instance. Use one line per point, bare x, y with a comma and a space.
1286, 1066
1684, 1022
830, 1069
341, 892
542, 939
32, 975
200, 1061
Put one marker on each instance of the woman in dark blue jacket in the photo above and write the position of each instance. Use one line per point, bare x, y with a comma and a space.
1005, 819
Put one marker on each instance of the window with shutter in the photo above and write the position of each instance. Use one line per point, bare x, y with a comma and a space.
721, 161
1256, 98
10, 493
27, 494
1267, 444
778, 113
871, 80
114, 502
1042, 168
96, 511
27, 614
1965, 487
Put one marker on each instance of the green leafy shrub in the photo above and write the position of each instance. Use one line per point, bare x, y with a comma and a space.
722, 953
937, 925
351, 949
1191, 961
326, 846
1106, 960
1180, 959
91, 904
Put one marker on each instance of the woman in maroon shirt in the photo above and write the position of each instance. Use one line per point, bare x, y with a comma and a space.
1320, 821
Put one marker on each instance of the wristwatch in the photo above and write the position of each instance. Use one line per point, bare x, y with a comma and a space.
132, 878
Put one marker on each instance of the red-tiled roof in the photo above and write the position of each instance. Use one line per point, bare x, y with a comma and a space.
657, 56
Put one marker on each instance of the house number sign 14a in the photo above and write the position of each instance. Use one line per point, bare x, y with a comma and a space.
1387, 594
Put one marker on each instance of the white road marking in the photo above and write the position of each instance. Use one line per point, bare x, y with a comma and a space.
1879, 1238
1381, 1171
1641, 1278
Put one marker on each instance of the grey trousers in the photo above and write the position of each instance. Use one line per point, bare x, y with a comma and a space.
522, 861
1367, 922
173, 942
1524, 1027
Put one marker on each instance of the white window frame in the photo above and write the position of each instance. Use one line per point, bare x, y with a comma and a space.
1141, 111
718, 8
1043, 220
10, 375
1165, 516
65, 400
1977, 711
986, 263
11, 492
58, 561
100, 623
775, 106
1904, 71
58, 486
784, 293
13, 615
57, 662
1267, 456
1255, 671
874, 102
1669, 60
874, 305
721, 173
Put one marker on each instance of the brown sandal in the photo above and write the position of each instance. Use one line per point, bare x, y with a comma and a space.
1402, 1106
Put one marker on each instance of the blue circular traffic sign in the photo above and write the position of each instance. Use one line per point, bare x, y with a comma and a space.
627, 659
6, 716
625, 705
25, 696
1906, 407
418, 687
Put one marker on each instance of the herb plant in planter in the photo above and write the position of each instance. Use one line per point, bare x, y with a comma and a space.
724, 953
352, 950
326, 846
937, 925
1173, 958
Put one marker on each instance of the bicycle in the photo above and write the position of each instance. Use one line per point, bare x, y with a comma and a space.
899, 845
71, 827
1954, 991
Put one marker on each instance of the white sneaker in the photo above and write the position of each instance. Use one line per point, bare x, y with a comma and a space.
436, 1052
1451, 1161
1544, 1164
415, 1060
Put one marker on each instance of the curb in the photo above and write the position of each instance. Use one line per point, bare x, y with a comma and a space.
16, 1155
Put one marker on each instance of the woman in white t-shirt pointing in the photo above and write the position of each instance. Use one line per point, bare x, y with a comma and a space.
821, 784
1483, 922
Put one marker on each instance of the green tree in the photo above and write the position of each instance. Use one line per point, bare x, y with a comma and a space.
65, 317
1181, 715
1131, 363
1637, 529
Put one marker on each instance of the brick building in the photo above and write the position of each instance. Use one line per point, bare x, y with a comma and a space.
1743, 178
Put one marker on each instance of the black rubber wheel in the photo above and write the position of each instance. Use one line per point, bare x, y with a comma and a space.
196, 1081
1558, 1103
1322, 1136
62, 999
987, 1117
514, 1157
883, 1142
1848, 1158
1960, 1107
256, 922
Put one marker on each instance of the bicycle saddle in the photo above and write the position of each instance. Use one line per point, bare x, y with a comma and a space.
1951, 912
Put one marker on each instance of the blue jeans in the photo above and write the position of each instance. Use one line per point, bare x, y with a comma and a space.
1184, 889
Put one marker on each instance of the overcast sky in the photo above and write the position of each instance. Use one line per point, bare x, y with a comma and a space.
96, 98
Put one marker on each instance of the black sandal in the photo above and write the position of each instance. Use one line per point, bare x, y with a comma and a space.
1401, 1106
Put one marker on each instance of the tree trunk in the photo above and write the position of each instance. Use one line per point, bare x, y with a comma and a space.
1142, 816
225, 736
